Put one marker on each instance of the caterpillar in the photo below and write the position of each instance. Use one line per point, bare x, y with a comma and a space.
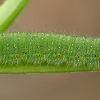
48, 53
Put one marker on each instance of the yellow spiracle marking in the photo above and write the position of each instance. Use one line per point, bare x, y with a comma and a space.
98, 58
79, 56
16, 55
39, 54
0, 42
25, 52
59, 55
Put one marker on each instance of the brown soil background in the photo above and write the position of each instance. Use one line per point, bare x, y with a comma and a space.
80, 17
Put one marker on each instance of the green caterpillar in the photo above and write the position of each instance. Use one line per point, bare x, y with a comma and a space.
47, 53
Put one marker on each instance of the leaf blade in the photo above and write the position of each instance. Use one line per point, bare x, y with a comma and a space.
9, 11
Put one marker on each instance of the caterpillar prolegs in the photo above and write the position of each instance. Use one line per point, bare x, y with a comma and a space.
48, 53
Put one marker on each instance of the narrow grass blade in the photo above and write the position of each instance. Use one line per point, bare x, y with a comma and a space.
9, 10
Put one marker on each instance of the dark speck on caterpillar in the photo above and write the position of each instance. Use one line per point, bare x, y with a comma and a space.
43, 52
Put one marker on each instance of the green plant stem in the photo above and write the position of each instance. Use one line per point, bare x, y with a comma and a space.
9, 11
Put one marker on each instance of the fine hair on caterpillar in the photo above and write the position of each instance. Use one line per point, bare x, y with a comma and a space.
51, 52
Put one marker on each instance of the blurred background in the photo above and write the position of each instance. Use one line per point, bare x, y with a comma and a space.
76, 17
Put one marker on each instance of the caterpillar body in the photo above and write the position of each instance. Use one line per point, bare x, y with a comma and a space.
43, 53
